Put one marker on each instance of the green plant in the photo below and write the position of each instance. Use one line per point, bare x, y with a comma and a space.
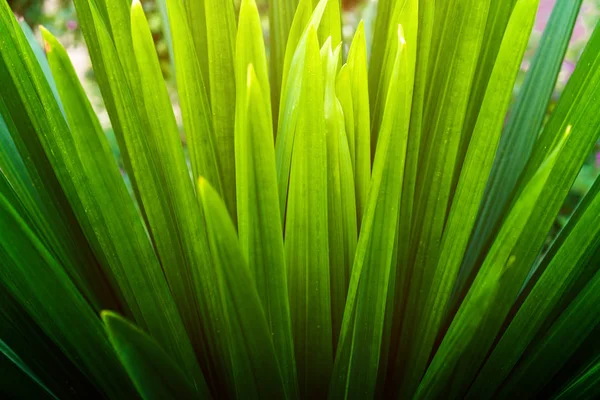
346, 231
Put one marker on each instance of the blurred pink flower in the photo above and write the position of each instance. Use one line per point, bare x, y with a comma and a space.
72, 25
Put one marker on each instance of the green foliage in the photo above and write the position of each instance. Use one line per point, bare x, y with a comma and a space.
344, 227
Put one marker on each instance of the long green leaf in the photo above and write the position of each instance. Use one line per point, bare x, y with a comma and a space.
584, 386
522, 128
39, 353
404, 269
117, 235
195, 106
450, 84
403, 13
174, 216
44, 287
40, 56
575, 113
341, 204
221, 29
196, 18
430, 305
112, 18
306, 16
496, 27
295, 60
306, 241
477, 321
255, 367
564, 265
281, 15
359, 141
552, 350
259, 223
450, 76
154, 374
30, 113
8, 356
331, 24
358, 353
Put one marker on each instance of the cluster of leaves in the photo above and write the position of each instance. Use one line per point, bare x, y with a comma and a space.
344, 228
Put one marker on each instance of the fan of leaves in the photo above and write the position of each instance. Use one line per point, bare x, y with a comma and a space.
345, 228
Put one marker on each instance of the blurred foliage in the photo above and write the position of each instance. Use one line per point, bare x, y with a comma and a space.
31, 10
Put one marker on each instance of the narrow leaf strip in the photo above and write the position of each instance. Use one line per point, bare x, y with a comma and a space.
498, 18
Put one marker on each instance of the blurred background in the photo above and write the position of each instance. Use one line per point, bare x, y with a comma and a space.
60, 18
